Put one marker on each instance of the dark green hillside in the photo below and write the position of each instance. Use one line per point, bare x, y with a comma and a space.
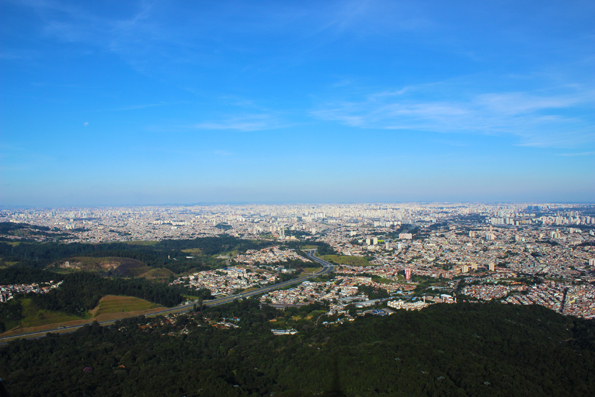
81, 291
26, 231
457, 350
25, 275
168, 254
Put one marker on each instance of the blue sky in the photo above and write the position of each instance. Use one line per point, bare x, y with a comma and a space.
133, 103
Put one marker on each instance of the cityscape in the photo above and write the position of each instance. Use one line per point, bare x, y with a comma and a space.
523, 254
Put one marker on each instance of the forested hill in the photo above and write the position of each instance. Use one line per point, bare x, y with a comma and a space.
81, 292
157, 254
444, 350
176, 255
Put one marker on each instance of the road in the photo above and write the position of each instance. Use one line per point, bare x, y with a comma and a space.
326, 268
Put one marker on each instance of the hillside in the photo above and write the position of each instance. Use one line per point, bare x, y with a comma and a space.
117, 266
462, 350
121, 304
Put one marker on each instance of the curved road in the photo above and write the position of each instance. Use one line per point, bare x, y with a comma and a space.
326, 268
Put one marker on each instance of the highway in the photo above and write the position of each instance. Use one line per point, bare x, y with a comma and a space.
326, 268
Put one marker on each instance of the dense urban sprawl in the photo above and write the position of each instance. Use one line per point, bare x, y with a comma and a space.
529, 254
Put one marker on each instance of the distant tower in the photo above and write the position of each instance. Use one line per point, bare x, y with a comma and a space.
375, 241
408, 274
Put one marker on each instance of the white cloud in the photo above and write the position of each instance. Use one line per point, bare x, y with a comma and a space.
255, 122
559, 118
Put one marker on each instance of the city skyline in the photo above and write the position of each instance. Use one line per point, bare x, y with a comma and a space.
154, 103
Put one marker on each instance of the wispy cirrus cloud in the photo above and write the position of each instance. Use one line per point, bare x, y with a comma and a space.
145, 35
559, 118
253, 122
134, 35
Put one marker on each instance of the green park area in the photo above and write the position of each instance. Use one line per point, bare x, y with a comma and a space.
347, 260
33, 316
309, 270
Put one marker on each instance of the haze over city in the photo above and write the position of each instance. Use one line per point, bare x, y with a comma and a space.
148, 103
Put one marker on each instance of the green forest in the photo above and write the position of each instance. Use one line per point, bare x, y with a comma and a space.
444, 350
81, 291
167, 254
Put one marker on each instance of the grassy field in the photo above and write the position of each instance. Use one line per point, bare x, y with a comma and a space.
347, 260
230, 254
109, 308
193, 251
34, 316
140, 270
158, 273
190, 297
139, 242
6, 264
309, 270
121, 304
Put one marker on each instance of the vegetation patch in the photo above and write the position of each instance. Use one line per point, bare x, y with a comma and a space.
132, 268
309, 270
382, 280
121, 304
159, 273
347, 260
34, 316
6, 264
138, 242
193, 251
444, 350
119, 266
191, 298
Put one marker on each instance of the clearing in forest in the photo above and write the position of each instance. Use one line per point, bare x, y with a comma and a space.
121, 304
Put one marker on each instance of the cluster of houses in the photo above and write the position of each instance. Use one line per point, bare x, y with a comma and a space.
227, 281
7, 292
